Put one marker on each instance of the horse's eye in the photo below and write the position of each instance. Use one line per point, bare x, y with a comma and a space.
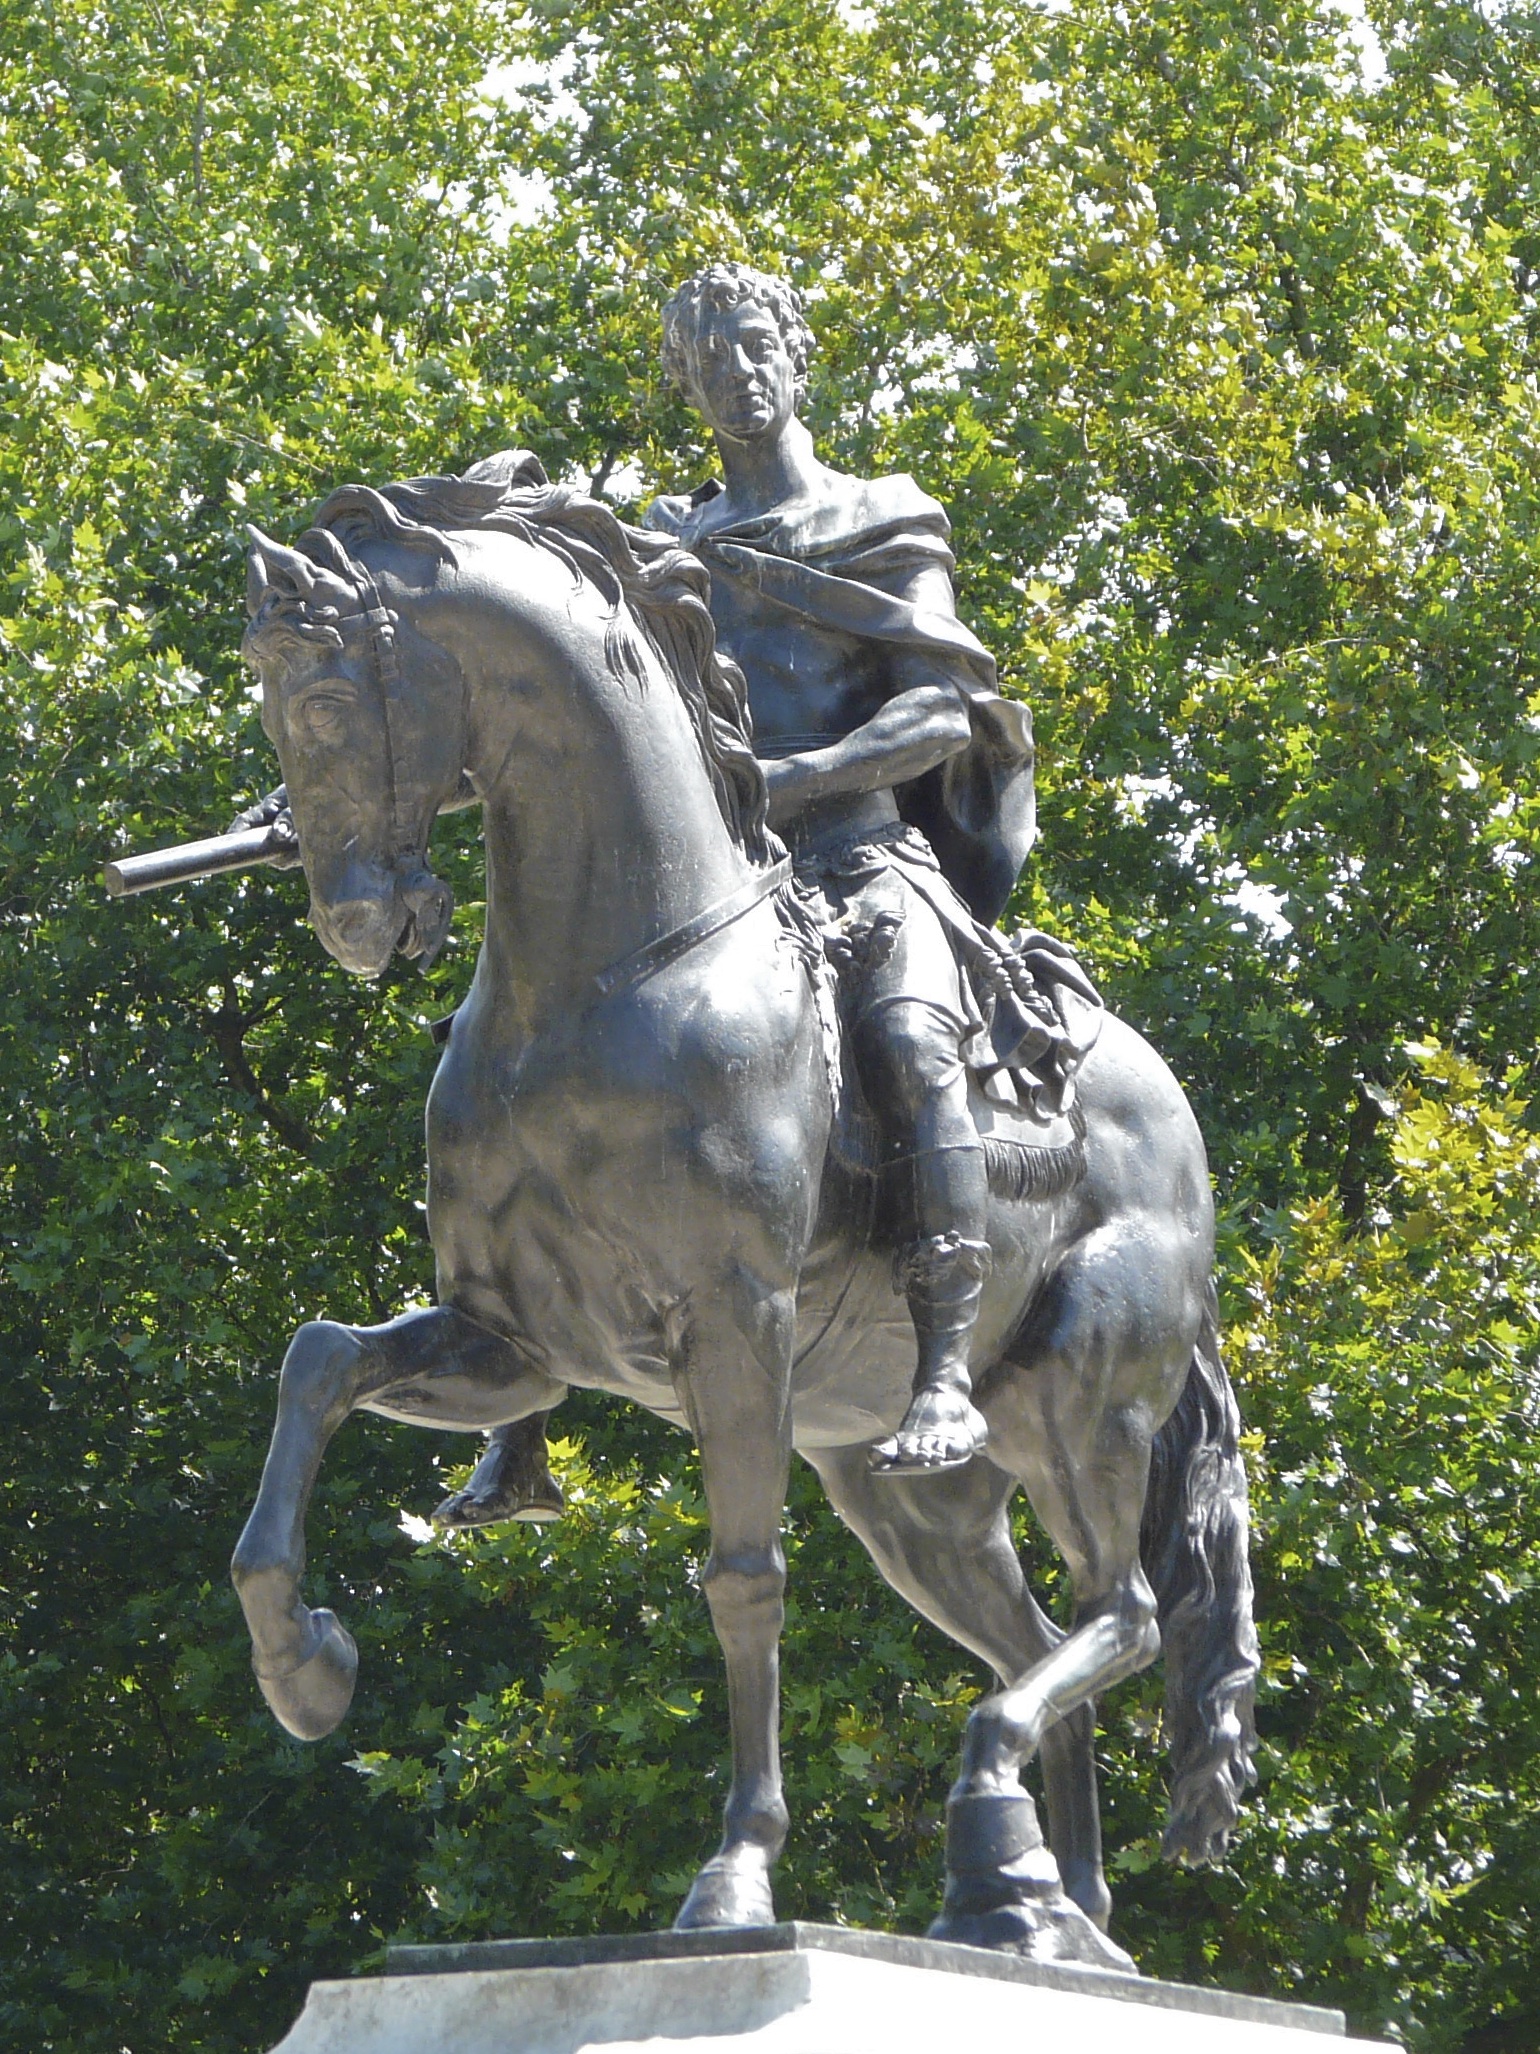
325, 715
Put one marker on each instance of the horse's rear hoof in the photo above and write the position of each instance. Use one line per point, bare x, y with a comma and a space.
1003, 1888
537, 1502
312, 1700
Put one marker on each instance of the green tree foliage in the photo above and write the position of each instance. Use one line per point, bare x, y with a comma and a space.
1226, 366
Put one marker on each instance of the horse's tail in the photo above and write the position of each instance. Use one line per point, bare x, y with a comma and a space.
1194, 1548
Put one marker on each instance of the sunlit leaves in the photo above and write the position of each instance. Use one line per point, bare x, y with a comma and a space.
1225, 368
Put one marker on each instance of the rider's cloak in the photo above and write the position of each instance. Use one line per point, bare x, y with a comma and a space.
846, 565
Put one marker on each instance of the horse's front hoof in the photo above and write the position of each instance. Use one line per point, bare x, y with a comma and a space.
312, 1700
731, 1890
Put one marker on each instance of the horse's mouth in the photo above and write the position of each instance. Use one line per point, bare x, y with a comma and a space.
428, 905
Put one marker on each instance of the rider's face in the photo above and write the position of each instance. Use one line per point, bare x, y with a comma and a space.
743, 380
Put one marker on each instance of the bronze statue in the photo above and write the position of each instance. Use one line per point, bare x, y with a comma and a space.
652, 1169
789, 1146
903, 783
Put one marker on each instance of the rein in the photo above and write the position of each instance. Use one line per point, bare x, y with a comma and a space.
656, 955
653, 956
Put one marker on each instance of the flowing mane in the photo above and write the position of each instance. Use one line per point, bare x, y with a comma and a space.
658, 591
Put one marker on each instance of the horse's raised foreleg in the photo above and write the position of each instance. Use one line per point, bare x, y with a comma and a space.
436, 1367
943, 1541
736, 1388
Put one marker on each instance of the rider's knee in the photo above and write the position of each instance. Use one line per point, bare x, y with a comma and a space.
912, 1056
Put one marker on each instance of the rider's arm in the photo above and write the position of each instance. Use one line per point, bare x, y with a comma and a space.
921, 725
911, 734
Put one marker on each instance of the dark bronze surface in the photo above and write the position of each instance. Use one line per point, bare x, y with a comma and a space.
981, 1238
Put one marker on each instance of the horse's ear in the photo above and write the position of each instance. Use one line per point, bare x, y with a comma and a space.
272, 566
516, 470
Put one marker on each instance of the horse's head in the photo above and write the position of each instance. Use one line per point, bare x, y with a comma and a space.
368, 754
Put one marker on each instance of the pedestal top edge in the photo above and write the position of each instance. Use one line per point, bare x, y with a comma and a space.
901, 1949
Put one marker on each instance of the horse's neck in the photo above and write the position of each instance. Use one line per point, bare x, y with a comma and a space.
602, 834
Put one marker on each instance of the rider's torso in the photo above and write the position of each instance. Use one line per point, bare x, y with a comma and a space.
809, 685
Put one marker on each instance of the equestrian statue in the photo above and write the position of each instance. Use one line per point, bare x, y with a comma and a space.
751, 1114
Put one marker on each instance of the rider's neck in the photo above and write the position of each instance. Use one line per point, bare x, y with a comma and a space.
768, 472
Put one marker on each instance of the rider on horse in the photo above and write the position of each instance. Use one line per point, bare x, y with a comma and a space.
903, 783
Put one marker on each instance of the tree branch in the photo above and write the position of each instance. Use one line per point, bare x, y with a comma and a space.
227, 1027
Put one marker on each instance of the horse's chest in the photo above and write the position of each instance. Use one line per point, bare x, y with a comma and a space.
597, 1180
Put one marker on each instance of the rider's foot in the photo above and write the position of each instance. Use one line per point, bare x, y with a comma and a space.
941, 1430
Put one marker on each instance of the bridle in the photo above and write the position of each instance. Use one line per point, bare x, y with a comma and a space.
385, 664
427, 898
631, 970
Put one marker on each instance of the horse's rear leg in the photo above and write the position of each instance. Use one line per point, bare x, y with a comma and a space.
736, 1385
305, 1660
512, 1480
943, 1541
1107, 1358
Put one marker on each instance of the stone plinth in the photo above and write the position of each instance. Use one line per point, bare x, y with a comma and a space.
790, 1989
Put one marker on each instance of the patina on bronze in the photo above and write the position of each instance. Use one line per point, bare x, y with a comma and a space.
651, 1172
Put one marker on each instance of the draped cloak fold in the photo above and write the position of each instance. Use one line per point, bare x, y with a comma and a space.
846, 566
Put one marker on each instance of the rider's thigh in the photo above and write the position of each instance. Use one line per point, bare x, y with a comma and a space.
911, 1018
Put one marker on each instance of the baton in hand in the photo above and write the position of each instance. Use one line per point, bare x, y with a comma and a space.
242, 850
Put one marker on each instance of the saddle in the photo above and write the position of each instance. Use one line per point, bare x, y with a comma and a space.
1032, 1130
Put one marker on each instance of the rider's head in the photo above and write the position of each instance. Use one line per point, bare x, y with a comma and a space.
736, 345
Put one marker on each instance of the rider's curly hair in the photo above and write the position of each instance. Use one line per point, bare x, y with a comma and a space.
718, 289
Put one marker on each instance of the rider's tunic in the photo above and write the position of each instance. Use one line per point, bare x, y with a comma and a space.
831, 610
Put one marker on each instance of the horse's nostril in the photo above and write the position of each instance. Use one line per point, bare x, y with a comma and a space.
360, 932
352, 923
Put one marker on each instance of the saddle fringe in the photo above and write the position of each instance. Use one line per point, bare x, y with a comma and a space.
1018, 1170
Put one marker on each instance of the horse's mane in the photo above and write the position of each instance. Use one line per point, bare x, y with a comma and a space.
657, 590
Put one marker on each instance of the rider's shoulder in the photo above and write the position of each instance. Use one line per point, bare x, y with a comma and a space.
672, 512
859, 505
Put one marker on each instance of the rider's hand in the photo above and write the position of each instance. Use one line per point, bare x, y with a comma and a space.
273, 811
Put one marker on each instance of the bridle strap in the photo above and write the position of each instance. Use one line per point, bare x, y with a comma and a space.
382, 624
642, 963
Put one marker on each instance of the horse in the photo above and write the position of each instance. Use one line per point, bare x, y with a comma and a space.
634, 1185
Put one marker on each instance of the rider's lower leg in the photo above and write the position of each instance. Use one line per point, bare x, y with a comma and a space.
941, 1274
